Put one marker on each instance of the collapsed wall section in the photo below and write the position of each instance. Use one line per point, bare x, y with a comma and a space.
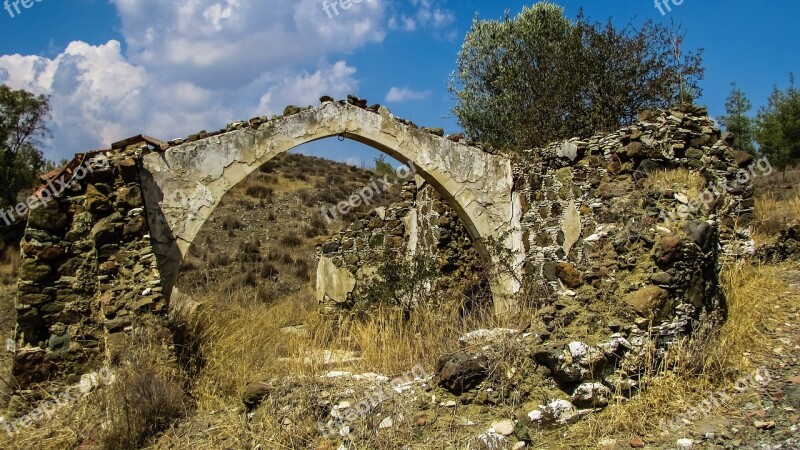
88, 277
639, 218
420, 226
623, 232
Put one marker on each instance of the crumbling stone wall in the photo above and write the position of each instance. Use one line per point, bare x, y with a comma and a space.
420, 224
88, 276
595, 227
624, 235
606, 247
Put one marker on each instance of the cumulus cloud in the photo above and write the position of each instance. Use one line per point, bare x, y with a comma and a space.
426, 14
306, 88
194, 64
402, 94
355, 162
218, 44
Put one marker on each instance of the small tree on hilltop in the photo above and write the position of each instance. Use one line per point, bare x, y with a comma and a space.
737, 121
525, 81
383, 167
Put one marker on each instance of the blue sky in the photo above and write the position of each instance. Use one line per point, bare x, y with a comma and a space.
122, 67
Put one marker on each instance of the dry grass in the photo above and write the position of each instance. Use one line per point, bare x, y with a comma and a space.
773, 214
145, 399
239, 340
679, 180
9, 263
724, 356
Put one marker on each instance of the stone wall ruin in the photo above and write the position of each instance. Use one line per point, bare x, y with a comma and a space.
584, 230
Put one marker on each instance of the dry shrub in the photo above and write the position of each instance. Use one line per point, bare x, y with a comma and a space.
267, 179
291, 240
218, 260
260, 191
190, 263
317, 227
231, 223
268, 270
773, 214
250, 247
269, 166
248, 278
145, 401
307, 198
302, 270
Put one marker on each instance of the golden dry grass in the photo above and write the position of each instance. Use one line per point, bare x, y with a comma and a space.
773, 214
145, 398
724, 356
679, 180
9, 263
241, 341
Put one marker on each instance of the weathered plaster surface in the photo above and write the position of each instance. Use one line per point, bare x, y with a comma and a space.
184, 184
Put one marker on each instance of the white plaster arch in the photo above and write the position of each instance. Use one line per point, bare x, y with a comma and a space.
184, 184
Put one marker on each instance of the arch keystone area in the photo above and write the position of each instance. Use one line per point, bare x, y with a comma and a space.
184, 184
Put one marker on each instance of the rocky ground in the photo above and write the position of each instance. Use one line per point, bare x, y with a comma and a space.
264, 234
462, 406
256, 260
766, 414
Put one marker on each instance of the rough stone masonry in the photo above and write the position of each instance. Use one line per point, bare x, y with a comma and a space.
99, 264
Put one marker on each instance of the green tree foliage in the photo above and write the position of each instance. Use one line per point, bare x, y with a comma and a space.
540, 77
778, 127
384, 167
399, 282
737, 121
22, 122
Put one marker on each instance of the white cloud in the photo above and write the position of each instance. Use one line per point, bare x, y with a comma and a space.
223, 43
195, 64
402, 94
306, 89
355, 162
427, 14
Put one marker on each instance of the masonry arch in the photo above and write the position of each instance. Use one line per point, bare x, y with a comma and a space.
184, 184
